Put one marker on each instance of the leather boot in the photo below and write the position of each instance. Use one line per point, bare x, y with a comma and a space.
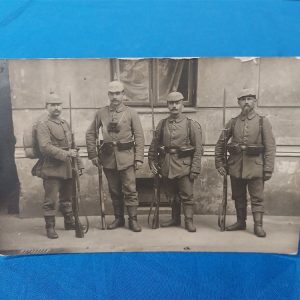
132, 220
258, 223
119, 217
188, 214
69, 221
176, 218
50, 224
240, 224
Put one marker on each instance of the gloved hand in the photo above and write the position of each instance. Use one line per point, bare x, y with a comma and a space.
222, 171
267, 175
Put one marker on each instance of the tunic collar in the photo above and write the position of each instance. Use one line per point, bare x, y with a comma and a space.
120, 108
57, 121
250, 116
180, 118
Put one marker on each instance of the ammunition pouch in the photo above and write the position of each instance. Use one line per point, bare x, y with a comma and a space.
125, 146
254, 150
186, 151
251, 149
121, 146
234, 148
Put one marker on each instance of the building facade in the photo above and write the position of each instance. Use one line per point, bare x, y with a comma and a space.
205, 83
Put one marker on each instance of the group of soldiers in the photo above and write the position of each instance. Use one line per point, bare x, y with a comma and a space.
174, 155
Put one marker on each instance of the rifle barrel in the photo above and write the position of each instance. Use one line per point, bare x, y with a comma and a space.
100, 182
156, 194
223, 205
75, 182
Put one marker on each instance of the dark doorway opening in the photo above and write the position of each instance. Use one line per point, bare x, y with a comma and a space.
145, 190
9, 181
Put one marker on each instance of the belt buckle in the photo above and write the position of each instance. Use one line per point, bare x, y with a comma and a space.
114, 143
243, 147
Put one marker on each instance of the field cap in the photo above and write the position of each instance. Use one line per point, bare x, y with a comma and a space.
175, 96
115, 86
53, 99
246, 92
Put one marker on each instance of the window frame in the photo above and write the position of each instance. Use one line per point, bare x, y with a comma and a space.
153, 64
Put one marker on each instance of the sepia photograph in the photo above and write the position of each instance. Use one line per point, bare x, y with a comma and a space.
150, 154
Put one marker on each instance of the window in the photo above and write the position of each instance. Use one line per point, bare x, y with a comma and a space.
156, 77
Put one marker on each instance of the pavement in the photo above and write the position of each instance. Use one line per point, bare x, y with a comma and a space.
27, 236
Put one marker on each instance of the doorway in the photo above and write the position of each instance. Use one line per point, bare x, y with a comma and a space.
9, 181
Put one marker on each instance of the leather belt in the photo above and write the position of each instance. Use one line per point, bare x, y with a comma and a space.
111, 144
171, 150
119, 145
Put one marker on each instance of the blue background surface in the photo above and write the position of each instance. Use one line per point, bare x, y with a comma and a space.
90, 28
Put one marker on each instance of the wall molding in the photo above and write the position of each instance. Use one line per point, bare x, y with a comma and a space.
209, 150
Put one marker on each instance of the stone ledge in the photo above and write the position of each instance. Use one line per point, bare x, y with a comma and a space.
282, 151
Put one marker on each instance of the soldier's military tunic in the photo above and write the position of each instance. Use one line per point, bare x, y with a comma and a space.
244, 169
176, 170
54, 167
118, 164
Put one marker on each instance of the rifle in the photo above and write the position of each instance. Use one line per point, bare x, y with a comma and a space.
223, 205
156, 196
100, 182
76, 198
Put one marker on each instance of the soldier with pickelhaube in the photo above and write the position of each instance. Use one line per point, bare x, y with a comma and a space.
175, 153
121, 153
54, 165
251, 161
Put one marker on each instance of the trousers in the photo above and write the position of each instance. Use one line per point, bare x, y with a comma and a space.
57, 189
182, 187
122, 186
255, 188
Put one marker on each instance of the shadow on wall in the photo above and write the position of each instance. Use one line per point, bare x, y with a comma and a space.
9, 182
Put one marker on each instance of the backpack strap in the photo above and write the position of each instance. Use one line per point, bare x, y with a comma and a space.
233, 124
261, 133
161, 132
189, 130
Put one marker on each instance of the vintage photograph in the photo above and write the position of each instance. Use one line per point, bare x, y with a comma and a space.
150, 154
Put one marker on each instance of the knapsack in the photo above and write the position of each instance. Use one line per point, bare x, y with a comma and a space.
30, 142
